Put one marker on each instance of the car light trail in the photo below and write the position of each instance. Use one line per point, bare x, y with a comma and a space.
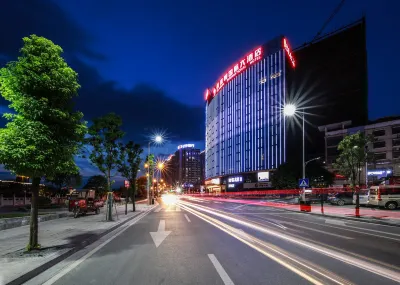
290, 261
373, 268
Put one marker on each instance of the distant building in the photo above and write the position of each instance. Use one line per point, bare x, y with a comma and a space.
184, 167
247, 133
202, 167
385, 148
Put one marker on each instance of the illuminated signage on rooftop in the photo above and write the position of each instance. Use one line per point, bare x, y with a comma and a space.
235, 70
289, 52
189, 145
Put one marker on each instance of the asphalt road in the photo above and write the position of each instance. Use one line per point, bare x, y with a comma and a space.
197, 241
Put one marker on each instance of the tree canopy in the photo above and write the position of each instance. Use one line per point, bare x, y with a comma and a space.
44, 132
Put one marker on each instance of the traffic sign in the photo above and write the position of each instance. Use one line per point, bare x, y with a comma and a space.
303, 182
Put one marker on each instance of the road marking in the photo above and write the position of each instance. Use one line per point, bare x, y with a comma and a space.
275, 223
177, 208
315, 230
187, 218
158, 209
160, 235
93, 251
238, 207
335, 222
221, 271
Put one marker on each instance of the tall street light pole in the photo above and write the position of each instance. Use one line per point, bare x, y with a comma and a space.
158, 139
290, 110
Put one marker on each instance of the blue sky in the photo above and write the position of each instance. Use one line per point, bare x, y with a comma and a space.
150, 61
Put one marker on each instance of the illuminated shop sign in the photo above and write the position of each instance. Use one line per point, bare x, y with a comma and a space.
216, 181
235, 70
275, 75
289, 52
231, 185
185, 145
379, 172
263, 176
235, 179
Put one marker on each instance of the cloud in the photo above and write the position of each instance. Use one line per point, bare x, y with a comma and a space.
44, 18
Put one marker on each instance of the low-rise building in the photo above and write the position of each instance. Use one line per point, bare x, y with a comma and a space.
385, 146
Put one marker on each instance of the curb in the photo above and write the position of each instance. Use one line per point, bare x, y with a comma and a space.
378, 222
35, 272
10, 223
370, 221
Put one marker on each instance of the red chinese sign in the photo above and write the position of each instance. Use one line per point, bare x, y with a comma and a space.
235, 70
289, 52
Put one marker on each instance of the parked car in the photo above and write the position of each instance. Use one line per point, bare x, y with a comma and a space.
364, 197
387, 196
343, 198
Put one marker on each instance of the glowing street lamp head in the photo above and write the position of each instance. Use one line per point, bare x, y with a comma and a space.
289, 110
158, 139
160, 165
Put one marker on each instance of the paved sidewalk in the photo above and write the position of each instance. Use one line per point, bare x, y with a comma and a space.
56, 238
372, 215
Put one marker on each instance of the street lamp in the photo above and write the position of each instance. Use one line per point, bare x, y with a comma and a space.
156, 139
290, 110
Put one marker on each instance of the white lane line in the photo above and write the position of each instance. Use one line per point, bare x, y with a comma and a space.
221, 271
177, 208
315, 230
159, 208
238, 207
69, 268
334, 222
187, 218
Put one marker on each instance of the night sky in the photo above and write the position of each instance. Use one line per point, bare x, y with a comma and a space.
150, 61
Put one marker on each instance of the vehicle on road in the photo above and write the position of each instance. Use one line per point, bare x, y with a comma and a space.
364, 197
82, 202
342, 198
387, 196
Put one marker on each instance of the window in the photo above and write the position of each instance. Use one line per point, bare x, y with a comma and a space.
380, 155
332, 151
378, 133
333, 141
379, 144
396, 142
396, 154
396, 130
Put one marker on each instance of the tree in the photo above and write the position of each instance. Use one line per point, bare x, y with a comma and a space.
150, 162
105, 134
141, 183
353, 155
98, 183
286, 176
318, 174
43, 135
61, 180
129, 166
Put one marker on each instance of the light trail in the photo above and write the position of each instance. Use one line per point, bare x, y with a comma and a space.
367, 266
296, 264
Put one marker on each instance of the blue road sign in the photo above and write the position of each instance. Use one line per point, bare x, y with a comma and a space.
304, 182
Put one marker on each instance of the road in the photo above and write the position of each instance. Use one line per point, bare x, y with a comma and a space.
196, 241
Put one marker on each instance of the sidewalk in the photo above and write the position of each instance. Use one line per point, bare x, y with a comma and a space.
56, 237
371, 215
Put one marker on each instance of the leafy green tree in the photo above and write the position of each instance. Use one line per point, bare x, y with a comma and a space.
98, 183
105, 133
318, 174
353, 155
286, 176
61, 180
129, 166
43, 135
151, 163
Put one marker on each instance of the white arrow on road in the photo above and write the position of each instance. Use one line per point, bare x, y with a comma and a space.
160, 235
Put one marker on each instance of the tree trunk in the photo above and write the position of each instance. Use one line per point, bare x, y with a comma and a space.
133, 193
33, 233
126, 200
109, 200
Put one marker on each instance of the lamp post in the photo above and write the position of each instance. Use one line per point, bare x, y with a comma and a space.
290, 110
157, 139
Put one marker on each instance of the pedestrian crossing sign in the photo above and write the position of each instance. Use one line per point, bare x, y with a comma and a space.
303, 182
